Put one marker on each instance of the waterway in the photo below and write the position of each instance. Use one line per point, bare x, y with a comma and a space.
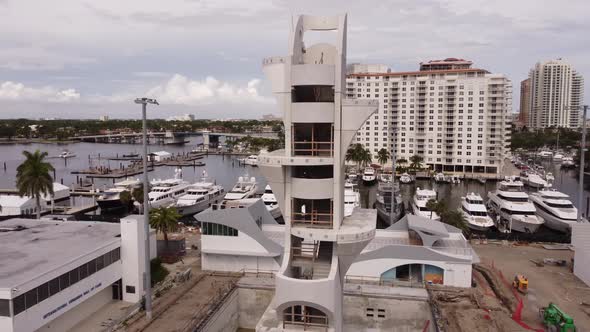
225, 170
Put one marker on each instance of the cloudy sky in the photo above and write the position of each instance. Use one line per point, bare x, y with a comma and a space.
83, 59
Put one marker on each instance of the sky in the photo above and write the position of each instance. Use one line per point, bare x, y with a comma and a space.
83, 59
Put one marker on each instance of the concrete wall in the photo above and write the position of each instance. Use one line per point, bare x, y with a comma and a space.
79, 313
251, 305
399, 315
235, 263
233, 244
132, 256
455, 274
581, 243
225, 318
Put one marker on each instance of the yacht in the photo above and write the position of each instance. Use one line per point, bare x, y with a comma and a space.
252, 160
567, 162
110, 199
352, 175
369, 175
406, 178
475, 212
383, 202
549, 177
244, 188
66, 154
534, 180
165, 192
199, 196
270, 201
441, 178
556, 209
558, 157
545, 154
385, 177
511, 208
352, 198
419, 202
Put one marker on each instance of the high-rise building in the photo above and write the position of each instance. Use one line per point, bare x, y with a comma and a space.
455, 117
307, 177
556, 95
525, 103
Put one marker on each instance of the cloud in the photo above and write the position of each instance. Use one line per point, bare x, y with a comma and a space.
182, 90
19, 92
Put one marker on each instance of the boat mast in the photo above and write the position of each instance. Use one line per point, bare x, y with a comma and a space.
393, 161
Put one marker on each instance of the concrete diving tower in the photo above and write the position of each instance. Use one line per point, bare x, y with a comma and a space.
307, 178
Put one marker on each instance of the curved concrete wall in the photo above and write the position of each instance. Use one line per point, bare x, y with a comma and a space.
312, 188
312, 74
312, 113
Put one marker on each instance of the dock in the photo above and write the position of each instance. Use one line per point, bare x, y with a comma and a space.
73, 210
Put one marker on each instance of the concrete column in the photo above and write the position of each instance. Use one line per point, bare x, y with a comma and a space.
133, 257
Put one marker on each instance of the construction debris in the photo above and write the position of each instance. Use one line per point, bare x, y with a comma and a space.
553, 261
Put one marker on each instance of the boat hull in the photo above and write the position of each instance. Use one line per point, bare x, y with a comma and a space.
110, 204
189, 210
555, 223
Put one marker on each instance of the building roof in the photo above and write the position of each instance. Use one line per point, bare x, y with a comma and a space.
43, 246
422, 73
14, 200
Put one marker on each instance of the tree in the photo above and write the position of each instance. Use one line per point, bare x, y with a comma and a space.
164, 219
402, 161
365, 157
33, 177
137, 195
435, 206
455, 218
126, 198
416, 162
383, 156
357, 154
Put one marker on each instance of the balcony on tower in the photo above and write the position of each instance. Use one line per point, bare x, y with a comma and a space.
312, 213
313, 139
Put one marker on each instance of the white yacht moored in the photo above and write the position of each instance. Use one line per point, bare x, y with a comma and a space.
270, 201
441, 178
545, 154
567, 162
383, 202
199, 196
420, 201
558, 157
475, 212
406, 178
352, 198
252, 160
166, 192
549, 177
556, 209
511, 208
369, 175
385, 177
110, 198
245, 188
534, 180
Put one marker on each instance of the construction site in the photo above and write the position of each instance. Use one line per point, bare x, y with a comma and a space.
190, 299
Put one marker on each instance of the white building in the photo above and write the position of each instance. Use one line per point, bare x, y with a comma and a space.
14, 205
556, 95
103, 118
454, 116
581, 244
160, 155
51, 280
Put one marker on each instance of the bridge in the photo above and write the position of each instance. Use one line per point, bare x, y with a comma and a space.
167, 137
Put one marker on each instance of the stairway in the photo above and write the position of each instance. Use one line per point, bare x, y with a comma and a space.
321, 270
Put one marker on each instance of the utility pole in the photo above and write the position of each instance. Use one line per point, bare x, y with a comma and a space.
582, 153
147, 278
393, 162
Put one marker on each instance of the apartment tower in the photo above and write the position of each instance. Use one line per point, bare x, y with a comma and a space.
308, 178
557, 92
457, 118
525, 103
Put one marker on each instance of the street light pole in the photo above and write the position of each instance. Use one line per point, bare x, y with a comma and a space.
146, 220
582, 153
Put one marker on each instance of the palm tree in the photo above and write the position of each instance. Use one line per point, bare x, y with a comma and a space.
366, 157
383, 156
137, 195
455, 218
164, 219
33, 177
401, 161
435, 206
416, 161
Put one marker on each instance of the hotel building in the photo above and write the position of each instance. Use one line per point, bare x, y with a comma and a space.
456, 117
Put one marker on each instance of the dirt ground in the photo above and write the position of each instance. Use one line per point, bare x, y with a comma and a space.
186, 302
548, 283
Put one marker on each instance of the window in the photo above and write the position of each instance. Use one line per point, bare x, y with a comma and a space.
18, 304
130, 289
31, 298
64, 281
4, 308
43, 292
217, 229
54, 286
